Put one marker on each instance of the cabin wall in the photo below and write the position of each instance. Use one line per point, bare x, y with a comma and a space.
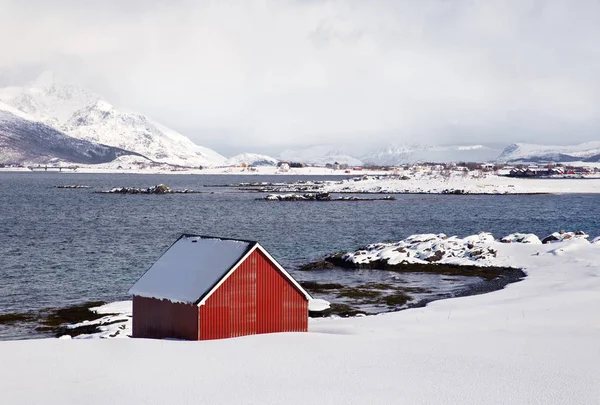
160, 319
256, 298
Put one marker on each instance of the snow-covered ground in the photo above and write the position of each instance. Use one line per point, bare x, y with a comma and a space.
474, 182
469, 183
370, 181
534, 342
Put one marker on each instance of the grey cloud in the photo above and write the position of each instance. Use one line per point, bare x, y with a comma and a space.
266, 74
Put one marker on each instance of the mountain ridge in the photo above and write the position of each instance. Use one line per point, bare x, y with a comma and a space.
82, 114
535, 153
26, 140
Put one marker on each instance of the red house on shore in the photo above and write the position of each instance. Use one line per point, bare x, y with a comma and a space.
211, 288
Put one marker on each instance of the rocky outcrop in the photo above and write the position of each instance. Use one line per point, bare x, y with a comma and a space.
319, 197
522, 238
158, 189
74, 186
562, 236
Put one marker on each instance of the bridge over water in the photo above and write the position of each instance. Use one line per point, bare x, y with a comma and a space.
52, 168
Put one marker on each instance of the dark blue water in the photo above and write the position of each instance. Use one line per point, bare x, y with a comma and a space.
63, 246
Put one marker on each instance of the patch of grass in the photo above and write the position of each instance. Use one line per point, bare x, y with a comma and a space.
414, 290
377, 286
396, 299
73, 314
17, 318
345, 310
318, 265
358, 293
394, 287
315, 287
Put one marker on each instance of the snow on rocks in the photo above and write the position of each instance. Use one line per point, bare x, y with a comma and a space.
116, 323
428, 248
157, 189
74, 186
522, 238
474, 250
320, 197
298, 197
562, 235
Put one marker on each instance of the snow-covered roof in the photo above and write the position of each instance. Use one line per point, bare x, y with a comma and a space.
190, 268
194, 266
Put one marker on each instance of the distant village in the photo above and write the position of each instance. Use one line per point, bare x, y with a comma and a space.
508, 170
553, 170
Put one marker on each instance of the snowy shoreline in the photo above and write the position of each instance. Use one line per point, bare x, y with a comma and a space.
413, 254
534, 341
424, 183
386, 182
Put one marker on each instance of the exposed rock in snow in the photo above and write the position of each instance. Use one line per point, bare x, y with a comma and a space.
115, 324
562, 235
298, 197
522, 238
427, 248
157, 189
251, 159
319, 197
523, 152
78, 186
475, 250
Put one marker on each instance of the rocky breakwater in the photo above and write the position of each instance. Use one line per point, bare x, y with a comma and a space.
319, 197
157, 189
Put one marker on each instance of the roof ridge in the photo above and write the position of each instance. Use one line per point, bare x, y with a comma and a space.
193, 235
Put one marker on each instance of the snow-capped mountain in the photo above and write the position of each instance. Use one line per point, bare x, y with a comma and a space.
103, 123
319, 155
252, 159
48, 99
82, 114
24, 139
403, 154
523, 152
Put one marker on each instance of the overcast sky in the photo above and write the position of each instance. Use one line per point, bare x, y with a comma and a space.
267, 75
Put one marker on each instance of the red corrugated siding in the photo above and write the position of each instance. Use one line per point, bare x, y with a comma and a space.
161, 319
256, 298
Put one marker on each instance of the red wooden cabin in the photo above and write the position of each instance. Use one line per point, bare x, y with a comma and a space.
210, 288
